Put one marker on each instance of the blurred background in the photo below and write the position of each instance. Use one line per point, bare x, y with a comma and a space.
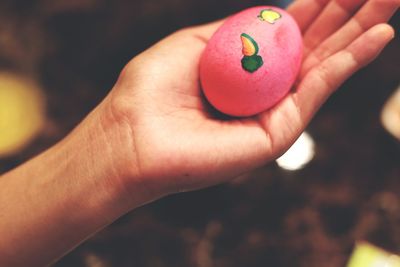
339, 184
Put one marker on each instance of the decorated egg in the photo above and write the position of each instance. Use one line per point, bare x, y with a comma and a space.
252, 61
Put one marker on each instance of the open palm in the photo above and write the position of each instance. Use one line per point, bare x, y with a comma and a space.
181, 144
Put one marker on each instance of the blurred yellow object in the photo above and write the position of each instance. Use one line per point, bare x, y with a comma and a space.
21, 113
391, 114
367, 255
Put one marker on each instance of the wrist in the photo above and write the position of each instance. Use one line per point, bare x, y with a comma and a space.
61, 197
112, 148
99, 151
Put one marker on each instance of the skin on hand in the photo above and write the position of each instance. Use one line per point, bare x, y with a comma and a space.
154, 134
182, 144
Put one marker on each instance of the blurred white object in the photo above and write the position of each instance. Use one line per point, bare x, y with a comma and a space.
390, 116
299, 155
367, 255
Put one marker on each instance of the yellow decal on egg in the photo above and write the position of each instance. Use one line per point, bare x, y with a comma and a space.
269, 15
251, 61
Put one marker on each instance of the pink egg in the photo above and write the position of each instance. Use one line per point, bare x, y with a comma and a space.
252, 61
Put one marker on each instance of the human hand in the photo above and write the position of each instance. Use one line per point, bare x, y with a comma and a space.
173, 141
155, 134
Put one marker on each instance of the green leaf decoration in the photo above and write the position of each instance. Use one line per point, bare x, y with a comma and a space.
253, 63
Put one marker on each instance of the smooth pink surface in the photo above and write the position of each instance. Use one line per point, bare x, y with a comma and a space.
234, 91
